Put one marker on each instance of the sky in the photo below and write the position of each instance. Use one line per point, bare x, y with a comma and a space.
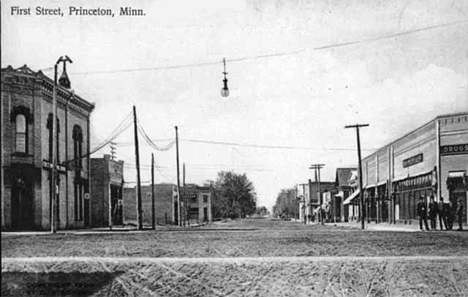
298, 71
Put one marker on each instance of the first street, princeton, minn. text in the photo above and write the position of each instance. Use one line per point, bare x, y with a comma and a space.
75, 11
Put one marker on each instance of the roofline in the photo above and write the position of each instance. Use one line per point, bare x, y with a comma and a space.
49, 80
463, 113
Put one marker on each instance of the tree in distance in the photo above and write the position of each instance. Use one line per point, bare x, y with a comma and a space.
262, 211
286, 206
234, 196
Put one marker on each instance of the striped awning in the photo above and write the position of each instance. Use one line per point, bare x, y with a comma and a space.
350, 198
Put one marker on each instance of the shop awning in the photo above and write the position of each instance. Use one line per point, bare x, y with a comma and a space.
350, 198
457, 179
340, 194
455, 174
381, 183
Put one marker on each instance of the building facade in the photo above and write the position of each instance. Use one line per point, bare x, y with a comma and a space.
309, 199
106, 192
339, 212
26, 152
197, 200
431, 161
164, 206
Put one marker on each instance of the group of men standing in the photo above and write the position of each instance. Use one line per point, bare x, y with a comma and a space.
447, 213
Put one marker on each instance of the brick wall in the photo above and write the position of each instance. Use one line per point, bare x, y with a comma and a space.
99, 193
33, 91
163, 204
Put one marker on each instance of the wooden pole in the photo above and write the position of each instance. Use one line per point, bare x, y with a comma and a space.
320, 194
361, 194
178, 178
185, 194
317, 176
53, 177
109, 192
137, 156
153, 210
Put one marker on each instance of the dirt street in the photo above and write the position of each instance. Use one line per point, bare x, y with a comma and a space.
260, 257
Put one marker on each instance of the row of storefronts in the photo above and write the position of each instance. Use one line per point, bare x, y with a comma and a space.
429, 162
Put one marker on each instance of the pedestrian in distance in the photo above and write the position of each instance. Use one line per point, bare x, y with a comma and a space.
459, 213
451, 209
442, 215
422, 213
433, 210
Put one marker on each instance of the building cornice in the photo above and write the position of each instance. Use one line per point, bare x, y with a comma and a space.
439, 117
25, 76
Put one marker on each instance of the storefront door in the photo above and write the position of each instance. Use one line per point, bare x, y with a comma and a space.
22, 215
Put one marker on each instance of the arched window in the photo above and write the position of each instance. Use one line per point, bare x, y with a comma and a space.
57, 145
21, 130
77, 146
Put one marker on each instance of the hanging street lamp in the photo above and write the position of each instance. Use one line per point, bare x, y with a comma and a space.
225, 90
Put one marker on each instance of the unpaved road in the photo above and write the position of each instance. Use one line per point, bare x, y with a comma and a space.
266, 258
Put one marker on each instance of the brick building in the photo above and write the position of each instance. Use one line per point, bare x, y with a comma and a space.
164, 204
429, 161
309, 198
26, 151
198, 201
106, 192
196, 198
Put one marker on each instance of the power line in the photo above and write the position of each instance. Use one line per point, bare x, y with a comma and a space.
150, 142
391, 35
271, 55
116, 133
271, 146
129, 143
253, 145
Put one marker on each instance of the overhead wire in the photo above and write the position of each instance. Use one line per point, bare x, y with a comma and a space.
271, 146
150, 142
270, 55
122, 127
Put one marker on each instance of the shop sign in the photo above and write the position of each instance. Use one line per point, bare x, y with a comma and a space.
189, 195
413, 160
454, 149
48, 165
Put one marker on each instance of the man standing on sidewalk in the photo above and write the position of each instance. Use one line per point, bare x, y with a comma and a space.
442, 214
422, 213
433, 210
451, 209
459, 213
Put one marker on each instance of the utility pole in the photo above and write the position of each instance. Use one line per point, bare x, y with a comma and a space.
53, 176
317, 167
137, 155
185, 194
361, 194
304, 202
295, 202
53, 182
178, 178
153, 217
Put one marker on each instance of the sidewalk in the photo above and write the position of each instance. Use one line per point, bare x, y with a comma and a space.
383, 227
